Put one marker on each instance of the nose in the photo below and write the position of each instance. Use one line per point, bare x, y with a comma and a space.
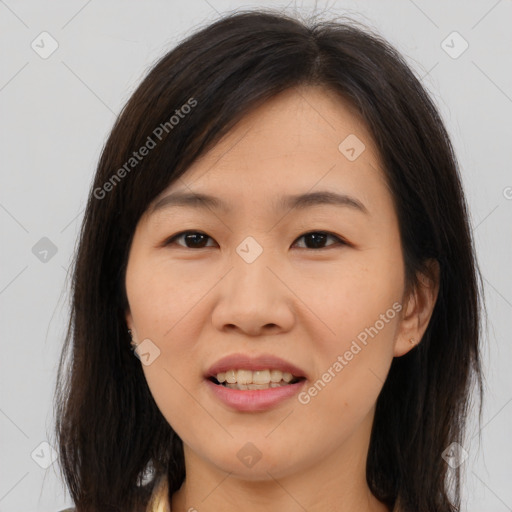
254, 299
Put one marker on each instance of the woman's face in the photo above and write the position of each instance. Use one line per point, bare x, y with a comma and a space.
319, 285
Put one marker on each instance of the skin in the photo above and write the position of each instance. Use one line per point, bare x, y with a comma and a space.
304, 304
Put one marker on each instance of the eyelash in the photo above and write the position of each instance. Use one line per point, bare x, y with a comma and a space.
172, 239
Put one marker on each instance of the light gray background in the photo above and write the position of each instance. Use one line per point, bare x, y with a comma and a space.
57, 112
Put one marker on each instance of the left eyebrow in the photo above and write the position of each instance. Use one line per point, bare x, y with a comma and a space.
299, 201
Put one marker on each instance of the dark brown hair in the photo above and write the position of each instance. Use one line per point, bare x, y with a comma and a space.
109, 429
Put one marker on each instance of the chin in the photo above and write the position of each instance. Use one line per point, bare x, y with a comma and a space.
256, 464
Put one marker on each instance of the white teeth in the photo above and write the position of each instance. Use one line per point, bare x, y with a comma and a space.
244, 377
260, 378
287, 377
276, 375
231, 376
256, 386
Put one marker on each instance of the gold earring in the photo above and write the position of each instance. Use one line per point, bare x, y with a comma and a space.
412, 341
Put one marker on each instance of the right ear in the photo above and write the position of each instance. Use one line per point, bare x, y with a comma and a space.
420, 304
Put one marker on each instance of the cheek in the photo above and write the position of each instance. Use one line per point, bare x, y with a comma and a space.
160, 296
175, 377
162, 308
359, 312
351, 371
352, 297
360, 354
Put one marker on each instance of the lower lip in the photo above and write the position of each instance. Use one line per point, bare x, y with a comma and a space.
254, 399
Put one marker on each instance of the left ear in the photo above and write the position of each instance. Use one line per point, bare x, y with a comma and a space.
419, 305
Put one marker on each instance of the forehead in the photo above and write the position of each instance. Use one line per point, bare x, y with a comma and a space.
294, 143
304, 122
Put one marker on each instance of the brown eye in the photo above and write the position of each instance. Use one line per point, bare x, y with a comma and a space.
317, 239
193, 239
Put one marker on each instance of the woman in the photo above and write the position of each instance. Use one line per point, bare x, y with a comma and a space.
278, 231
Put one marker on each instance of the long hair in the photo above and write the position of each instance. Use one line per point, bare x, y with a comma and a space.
113, 442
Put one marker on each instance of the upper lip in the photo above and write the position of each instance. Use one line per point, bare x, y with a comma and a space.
260, 362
